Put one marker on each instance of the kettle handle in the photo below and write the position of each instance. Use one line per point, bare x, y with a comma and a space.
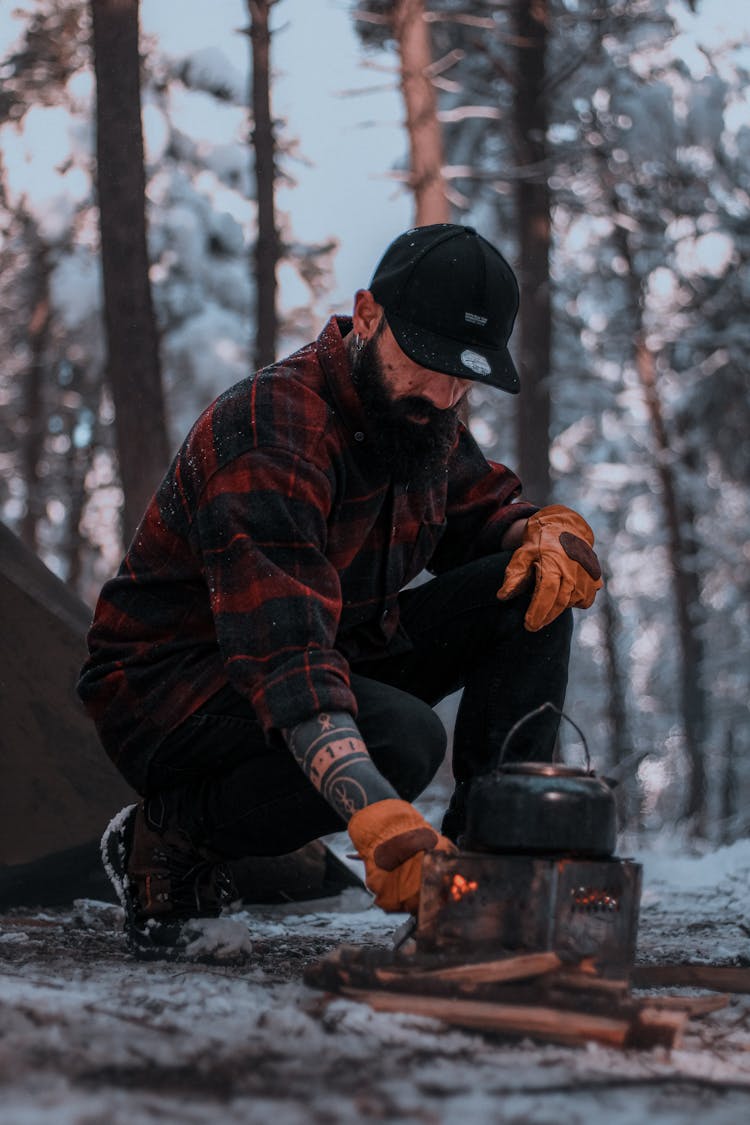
532, 715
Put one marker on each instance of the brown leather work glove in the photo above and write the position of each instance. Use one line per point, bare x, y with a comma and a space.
392, 837
556, 552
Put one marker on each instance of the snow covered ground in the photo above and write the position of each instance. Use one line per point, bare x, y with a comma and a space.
87, 1035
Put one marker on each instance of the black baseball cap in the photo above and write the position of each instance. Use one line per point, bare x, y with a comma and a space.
450, 299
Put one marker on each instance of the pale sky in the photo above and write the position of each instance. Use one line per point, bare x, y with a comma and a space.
351, 141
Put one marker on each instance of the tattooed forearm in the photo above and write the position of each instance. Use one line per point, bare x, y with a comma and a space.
332, 753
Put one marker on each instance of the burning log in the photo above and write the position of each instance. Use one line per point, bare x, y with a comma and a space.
488, 903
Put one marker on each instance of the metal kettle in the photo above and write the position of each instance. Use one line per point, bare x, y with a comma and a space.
541, 807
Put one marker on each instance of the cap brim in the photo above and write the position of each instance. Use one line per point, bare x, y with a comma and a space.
491, 366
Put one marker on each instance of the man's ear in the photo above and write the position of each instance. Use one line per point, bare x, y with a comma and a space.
367, 314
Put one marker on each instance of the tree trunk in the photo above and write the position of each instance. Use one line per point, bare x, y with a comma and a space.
268, 246
133, 353
77, 466
423, 127
530, 20
681, 544
686, 588
729, 803
621, 747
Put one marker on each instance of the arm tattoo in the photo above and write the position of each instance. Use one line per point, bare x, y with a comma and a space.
331, 752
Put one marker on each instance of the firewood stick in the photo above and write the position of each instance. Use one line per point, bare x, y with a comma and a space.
480, 972
722, 978
692, 1005
551, 1024
572, 978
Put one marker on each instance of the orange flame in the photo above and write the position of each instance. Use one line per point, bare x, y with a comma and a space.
461, 886
593, 899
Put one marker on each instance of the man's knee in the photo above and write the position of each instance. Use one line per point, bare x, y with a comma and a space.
405, 738
416, 748
425, 740
510, 615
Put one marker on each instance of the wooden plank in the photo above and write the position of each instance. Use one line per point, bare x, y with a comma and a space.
522, 967
550, 1024
720, 978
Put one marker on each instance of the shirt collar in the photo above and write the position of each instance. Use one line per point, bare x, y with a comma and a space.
334, 360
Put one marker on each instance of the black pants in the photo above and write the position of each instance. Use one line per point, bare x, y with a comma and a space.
217, 777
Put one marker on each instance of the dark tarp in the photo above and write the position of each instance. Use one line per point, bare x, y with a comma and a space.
58, 789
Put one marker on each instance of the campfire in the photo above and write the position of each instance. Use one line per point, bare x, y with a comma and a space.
530, 929
475, 904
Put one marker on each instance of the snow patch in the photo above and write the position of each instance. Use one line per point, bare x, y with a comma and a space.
221, 939
709, 255
707, 871
210, 70
91, 1034
115, 826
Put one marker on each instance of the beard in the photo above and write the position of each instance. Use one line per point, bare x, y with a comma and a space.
415, 452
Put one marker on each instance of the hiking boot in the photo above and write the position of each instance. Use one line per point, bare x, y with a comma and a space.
166, 887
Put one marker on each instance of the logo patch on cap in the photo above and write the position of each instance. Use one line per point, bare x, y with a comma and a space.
475, 362
475, 318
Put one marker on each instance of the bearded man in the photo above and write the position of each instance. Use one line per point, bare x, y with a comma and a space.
263, 668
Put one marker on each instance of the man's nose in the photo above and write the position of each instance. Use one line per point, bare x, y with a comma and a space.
445, 392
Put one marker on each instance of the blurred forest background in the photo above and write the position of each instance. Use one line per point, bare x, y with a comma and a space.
603, 144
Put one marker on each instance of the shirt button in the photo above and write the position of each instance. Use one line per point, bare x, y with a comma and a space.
359, 436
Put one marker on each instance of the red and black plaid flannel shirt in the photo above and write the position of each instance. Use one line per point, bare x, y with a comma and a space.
273, 553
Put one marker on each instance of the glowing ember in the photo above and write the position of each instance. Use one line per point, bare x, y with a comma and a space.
461, 886
590, 899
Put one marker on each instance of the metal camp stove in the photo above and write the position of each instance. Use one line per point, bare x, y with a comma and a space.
474, 904
538, 873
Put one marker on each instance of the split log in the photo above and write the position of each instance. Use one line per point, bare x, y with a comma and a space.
525, 979
692, 1005
647, 1027
530, 994
524, 967
720, 978
579, 980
